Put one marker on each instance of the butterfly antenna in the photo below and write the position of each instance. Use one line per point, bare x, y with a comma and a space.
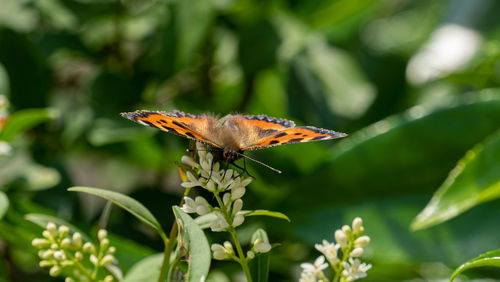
259, 162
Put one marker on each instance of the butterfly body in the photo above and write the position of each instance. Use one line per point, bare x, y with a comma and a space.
233, 134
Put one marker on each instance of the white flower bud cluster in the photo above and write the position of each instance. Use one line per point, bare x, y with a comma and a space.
343, 256
60, 251
208, 175
5, 147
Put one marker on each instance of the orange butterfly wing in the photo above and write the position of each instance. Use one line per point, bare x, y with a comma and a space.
258, 132
183, 124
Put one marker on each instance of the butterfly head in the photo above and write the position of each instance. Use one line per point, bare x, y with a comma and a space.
230, 155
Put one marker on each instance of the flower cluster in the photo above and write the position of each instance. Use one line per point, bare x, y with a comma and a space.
226, 251
207, 174
79, 261
343, 256
228, 187
5, 147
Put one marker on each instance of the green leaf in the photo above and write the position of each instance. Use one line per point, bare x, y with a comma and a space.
476, 179
4, 203
129, 204
147, 269
259, 266
266, 213
196, 243
424, 146
488, 259
23, 120
42, 220
204, 220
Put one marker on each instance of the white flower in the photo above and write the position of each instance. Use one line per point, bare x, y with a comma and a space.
219, 224
307, 277
226, 179
329, 250
355, 269
240, 183
199, 205
316, 268
341, 238
193, 181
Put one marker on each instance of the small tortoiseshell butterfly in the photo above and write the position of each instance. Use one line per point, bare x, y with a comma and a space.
233, 134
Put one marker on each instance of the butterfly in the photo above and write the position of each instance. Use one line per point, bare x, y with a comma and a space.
233, 134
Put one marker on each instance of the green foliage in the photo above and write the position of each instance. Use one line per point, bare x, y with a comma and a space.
125, 202
68, 68
194, 241
488, 259
473, 181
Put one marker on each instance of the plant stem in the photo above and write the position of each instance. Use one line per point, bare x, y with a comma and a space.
242, 259
169, 244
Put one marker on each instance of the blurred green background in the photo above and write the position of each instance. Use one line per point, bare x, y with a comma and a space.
412, 83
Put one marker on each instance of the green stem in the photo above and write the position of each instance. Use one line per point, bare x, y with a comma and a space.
166, 257
169, 244
242, 259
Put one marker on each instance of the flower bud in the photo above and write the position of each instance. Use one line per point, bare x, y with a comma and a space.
262, 247
250, 254
219, 252
357, 252
228, 246
102, 234
54, 246
238, 220
238, 192
40, 243
55, 271
48, 254
347, 230
46, 234
225, 198
107, 259
65, 243
69, 279
52, 228
237, 205
357, 223
88, 248
104, 243
93, 259
362, 241
77, 239
78, 256
211, 185
111, 250
63, 231
108, 278
59, 255
189, 161
341, 238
